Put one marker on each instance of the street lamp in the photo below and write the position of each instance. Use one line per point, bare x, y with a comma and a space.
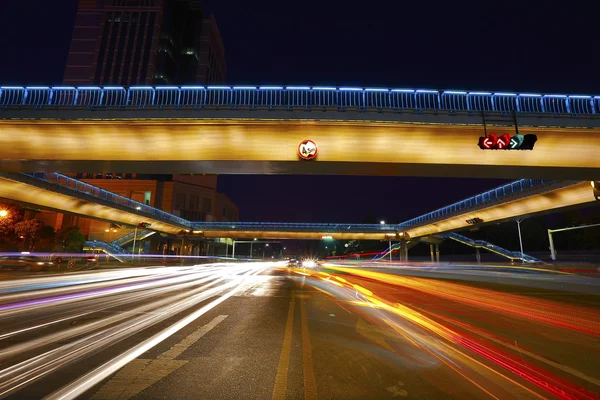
3, 213
382, 222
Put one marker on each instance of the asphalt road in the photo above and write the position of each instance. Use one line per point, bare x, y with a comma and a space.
263, 331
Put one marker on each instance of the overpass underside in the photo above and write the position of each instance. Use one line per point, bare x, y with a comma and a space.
573, 195
49, 197
262, 146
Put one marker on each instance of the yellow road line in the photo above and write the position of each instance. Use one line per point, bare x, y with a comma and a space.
310, 384
284, 358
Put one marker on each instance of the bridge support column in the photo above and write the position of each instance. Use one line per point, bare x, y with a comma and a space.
403, 250
478, 255
437, 252
432, 253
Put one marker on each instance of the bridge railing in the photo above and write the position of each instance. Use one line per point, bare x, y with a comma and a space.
510, 191
293, 227
94, 191
294, 97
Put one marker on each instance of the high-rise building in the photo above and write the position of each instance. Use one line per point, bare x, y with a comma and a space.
144, 42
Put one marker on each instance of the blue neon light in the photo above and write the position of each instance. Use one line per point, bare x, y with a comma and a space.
16, 98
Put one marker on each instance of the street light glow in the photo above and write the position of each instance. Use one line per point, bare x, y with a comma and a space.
3, 213
382, 222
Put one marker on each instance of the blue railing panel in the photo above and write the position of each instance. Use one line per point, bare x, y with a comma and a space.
114, 97
530, 103
402, 99
141, 97
63, 96
505, 102
11, 95
581, 105
89, 97
427, 100
167, 97
219, 96
377, 98
454, 101
193, 97
242, 97
480, 101
556, 104
37, 96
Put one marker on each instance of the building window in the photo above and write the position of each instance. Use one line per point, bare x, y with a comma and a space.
193, 202
224, 212
206, 205
180, 200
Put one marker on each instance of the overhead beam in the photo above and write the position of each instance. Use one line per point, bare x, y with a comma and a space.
270, 147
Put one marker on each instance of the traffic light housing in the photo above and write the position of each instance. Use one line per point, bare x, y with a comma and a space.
506, 142
144, 225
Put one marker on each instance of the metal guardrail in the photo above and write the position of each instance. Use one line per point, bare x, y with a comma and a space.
294, 227
510, 191
305, 97
513, 255
141, 234
101, 194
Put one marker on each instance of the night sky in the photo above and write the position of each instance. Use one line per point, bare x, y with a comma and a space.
518, 46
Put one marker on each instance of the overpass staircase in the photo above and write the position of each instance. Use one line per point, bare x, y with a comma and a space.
117, 252
115, 248
482, 244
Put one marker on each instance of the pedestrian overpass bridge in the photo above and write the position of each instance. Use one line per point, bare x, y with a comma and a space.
521, 198
240, 130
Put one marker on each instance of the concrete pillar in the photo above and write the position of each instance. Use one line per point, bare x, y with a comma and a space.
478, 255
403, 250
437, 252
432, 253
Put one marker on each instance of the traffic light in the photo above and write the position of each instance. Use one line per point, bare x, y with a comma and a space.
144, 225
506, 142
474, 221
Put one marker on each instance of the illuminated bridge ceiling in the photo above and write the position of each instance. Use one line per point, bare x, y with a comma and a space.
258, 129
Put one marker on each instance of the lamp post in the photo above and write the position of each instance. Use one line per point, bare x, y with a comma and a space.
520, 238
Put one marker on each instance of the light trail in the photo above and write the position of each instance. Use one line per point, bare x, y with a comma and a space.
118, 304
497, 373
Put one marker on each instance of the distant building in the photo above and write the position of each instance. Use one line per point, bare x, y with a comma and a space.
192, 197
144, 42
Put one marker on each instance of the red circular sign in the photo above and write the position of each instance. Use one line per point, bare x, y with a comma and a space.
307, 149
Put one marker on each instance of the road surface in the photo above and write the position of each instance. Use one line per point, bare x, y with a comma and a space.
264, 331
